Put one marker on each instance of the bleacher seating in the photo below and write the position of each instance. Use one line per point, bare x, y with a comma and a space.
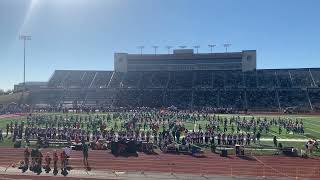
96, 97
152, 98
179, 98
284, 78
87, 78
233, 79
296, 98
203, 79
131, 80
101, 79
45, 97
316, 76
262, 99
232, 99
251, 80
218, 79
146, 80
73, 79
314, 95
154, 80
301, 78
73, 97
206, 98
181, 80
128, 98
160, 79
57, 77
116, 80
266, 79
259, 90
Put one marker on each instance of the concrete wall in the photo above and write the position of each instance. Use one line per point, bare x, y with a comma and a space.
120, 62
249, 60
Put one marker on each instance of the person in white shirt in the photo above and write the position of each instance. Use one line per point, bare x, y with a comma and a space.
67, 151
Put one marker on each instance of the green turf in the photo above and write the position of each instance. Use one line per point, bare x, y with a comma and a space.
7, 142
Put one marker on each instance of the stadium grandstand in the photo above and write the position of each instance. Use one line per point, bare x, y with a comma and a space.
186, 80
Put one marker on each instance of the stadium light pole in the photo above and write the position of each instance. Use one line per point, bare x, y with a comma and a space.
155, 49
140, 47
168, 47
24, 38
197, 48
226, 46
211, 47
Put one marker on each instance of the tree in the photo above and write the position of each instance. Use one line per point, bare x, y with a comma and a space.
9, 91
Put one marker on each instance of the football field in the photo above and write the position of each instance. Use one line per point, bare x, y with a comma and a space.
311, 126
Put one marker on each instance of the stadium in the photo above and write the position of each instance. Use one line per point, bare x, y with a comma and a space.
144, 90
187, 81
186, 108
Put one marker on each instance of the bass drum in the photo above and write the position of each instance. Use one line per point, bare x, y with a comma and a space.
114, 147
132, 148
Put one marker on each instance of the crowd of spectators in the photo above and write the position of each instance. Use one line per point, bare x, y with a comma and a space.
261, 90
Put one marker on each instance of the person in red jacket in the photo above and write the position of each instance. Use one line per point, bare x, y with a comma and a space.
63, 158
47, 163
55, 162
26, 154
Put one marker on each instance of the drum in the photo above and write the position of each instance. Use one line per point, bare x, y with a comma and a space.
114, 147
224, 153
131, 147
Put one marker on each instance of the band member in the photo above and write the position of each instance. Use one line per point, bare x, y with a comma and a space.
38, 160
148, 136
26, 154
85, 153
223, 138
155, 137
64, 163
63, 159
229, 138
242, 139
194, 137
201, 137
234, 138
219, 139
206, 139
55, 162
47, 163
248, 139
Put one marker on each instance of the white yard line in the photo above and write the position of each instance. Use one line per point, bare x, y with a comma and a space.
311, 124
313, 130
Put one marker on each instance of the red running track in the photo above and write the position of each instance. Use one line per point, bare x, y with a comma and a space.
211, 164
28, 177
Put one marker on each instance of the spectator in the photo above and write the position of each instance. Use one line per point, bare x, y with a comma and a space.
26, 155
55, 162
85, 153
1, 135
258, 137
275, 141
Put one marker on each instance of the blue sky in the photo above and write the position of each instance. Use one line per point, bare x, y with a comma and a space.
84, 34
